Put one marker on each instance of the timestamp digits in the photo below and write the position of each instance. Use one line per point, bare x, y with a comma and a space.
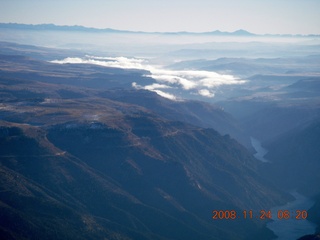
224, 214
263, 214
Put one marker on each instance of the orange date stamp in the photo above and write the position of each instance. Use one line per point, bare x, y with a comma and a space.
262, 214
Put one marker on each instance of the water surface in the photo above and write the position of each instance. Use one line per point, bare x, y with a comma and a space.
291, 229
260, 151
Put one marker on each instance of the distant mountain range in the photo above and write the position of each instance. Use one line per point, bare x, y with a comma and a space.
52, 27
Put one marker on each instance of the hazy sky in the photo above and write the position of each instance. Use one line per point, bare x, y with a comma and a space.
257, 16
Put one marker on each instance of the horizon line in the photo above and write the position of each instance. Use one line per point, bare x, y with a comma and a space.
217, 31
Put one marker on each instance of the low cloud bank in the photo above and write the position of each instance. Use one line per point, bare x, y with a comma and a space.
202, 83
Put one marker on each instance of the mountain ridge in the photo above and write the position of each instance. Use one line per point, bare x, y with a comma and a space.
53, 27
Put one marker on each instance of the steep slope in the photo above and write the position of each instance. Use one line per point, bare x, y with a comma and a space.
200, 157
194, 112
77, 163
125, 170
106, 181
48, 194
297, 154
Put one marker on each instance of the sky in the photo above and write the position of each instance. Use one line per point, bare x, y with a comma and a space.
257, 16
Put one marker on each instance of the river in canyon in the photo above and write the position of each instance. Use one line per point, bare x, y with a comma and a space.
289, 221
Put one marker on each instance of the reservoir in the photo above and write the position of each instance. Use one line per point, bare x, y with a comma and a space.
292, 228
260, 151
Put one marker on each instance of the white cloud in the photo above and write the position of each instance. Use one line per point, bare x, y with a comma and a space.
156, 86
118, 62
172, 77
165, 95
136, 86
68, 60
201, 82
153, 88
206, 93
